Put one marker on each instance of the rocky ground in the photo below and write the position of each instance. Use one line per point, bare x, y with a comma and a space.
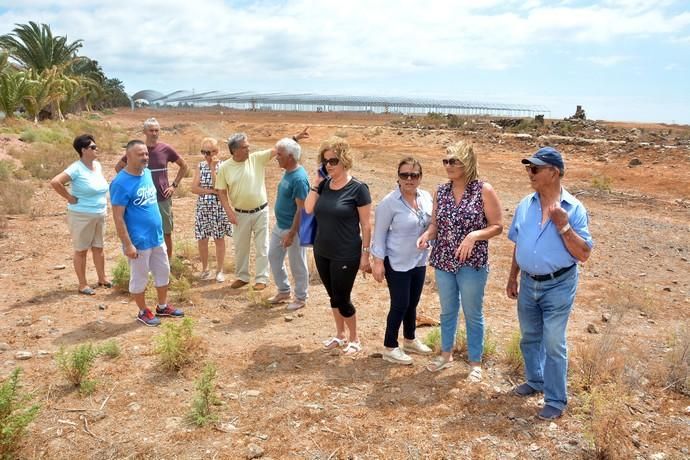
282, 396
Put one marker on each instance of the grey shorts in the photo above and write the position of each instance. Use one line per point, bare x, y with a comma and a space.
154, 260
165, 208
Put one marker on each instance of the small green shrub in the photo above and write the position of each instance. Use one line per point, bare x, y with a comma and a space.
678, 361
205, 398
15, 197
181, 288
176, 344
601, 183
44, 161
186, 249
490, 344
180, 268
111, 349
461, 341
76, 364
16, 413
7, 168
513, 354
121, 274
433, 339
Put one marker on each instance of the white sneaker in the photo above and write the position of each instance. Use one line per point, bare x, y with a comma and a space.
205, 275
396, 355
279, 298
220, 277
416, 346
296, 305
475, 375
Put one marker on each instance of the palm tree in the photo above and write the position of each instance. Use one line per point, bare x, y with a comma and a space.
35, 47
14, 87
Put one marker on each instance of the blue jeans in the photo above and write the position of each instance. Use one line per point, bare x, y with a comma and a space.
464, 288
297, 255
543, 311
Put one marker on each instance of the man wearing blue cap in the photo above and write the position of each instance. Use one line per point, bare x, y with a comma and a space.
551, 235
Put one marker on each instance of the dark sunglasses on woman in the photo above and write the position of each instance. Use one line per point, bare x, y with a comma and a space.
331, 161
409, 175
451, 162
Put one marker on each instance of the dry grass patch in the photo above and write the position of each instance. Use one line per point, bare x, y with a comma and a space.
607, 422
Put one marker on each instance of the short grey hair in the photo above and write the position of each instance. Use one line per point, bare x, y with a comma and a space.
151, 122
291, 147
235, 140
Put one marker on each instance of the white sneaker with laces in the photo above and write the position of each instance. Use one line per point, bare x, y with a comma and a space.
396, 355
220, 277
416, 346
205, 275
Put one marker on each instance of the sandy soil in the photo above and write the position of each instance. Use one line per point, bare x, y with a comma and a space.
282, 394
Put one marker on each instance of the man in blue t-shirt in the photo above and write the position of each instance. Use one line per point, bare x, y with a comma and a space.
140, 228
292, 190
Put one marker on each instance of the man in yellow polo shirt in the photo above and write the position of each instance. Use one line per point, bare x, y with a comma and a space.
242, 187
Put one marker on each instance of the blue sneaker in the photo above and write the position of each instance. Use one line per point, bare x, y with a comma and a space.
524, 390
148, 318
549, 413
168, 310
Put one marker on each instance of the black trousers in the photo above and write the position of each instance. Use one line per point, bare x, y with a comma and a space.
405, 290
338, 277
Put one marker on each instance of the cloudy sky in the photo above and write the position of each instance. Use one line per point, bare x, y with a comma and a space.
620, 59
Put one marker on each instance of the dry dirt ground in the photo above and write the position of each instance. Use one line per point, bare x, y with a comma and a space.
284, 397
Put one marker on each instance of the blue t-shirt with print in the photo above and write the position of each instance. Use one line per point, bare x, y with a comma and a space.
89, 187
138, 196
293, 185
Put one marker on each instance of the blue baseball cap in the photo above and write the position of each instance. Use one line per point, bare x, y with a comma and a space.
546, 156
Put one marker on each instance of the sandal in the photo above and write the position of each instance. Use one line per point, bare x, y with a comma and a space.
352, 348
475, 375
87, 291
438, 363
333, 342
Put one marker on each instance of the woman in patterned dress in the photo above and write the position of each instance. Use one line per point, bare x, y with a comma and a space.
466, 214
211, 220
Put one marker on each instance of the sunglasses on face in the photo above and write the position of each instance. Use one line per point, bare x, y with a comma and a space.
409, 175
451, 162
207, 152
330, 161
92, 147
534, 169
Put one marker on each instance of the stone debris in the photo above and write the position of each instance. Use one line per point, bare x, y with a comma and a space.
23, 355
592, 329
254, 451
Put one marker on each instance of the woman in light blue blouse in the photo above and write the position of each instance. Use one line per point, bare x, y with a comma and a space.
401, 217
86, 209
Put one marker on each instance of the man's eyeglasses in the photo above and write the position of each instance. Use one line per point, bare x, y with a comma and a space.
92, 147
533, 169
451, 162
409, 175
207, 152
330, 161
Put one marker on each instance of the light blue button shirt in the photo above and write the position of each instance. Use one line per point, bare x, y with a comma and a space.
539, 249
396, 229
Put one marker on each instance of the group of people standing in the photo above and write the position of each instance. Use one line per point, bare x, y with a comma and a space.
448, 230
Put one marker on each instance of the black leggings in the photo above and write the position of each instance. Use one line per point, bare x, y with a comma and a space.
338, 277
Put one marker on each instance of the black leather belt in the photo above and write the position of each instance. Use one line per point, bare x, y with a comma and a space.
551, 276
251, 211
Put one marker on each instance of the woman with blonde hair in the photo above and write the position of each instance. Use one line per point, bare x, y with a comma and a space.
210, 221
342, 207
466, 214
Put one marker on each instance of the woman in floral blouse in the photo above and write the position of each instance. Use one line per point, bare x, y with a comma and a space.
466, 214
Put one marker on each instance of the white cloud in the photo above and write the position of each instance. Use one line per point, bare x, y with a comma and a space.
607, 61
